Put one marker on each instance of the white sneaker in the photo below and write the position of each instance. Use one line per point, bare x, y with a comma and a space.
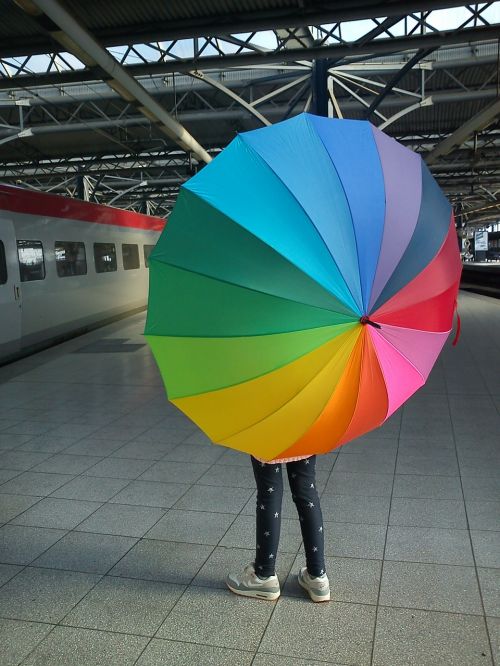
318, 588
248, 584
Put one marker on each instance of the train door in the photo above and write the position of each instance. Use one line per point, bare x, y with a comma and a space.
10, 290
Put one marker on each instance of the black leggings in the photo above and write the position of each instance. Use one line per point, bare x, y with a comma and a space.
302, 479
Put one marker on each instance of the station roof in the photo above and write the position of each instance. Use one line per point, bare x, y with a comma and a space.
71, 120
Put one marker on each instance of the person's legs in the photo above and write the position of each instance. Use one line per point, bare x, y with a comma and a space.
259, 579
269, 481
302, 478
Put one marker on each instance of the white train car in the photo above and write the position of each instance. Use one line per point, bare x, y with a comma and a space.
67, 266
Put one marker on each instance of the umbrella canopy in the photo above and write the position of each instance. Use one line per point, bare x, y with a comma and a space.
303, 286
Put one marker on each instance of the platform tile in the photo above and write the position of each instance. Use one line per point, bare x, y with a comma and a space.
44, 595
86, 647
18, 638
191, 527
423, 638
428, 544
489, 580
438, 587
217, 617
342, 632
56, 513
424, 512
125, 605
166, 561
486, 548
20, 544
121, 519
176, 653
83, 551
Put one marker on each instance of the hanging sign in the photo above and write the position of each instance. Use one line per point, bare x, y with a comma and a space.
481, 240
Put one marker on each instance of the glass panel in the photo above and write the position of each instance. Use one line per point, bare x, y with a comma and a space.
105, 257
31, 262
3, 264
130, 256
147, 251
70, 258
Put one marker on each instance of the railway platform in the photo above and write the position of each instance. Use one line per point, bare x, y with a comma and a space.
119, 521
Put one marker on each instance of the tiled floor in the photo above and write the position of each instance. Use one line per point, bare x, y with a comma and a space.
119, 522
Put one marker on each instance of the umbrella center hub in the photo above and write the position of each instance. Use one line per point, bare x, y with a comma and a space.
366, 320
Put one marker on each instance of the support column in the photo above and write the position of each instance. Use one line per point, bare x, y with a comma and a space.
320, 87
80, 187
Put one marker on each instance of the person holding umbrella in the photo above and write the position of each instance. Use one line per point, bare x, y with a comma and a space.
300, 293
259, 579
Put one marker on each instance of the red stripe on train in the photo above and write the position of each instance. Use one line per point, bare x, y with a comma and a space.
19, 200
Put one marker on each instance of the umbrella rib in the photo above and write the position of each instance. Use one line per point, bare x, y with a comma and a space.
352, 219
257, 291
421, 222
332, 397
274, 249
323, 369
369, 295
399, 352
358, 393
312, 223
265, 372
392, 311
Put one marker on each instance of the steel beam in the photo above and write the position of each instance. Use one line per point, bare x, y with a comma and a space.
40, 80
419, 55
73, 37
270, 112
201, 76
476, 123
331, 12
337, 52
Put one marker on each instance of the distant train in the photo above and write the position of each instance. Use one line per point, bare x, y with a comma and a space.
67, 266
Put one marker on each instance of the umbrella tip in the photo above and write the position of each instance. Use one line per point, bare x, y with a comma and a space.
366, 320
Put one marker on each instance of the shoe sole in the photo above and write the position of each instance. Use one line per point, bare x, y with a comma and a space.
255, 594
315, 597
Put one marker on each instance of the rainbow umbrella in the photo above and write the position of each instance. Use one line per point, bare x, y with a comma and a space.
303, 287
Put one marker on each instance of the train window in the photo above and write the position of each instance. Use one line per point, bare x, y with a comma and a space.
147, 251
70, 258
105, 257
130, 253
3, 264
31, 262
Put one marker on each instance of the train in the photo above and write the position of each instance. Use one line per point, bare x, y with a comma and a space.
67, 266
